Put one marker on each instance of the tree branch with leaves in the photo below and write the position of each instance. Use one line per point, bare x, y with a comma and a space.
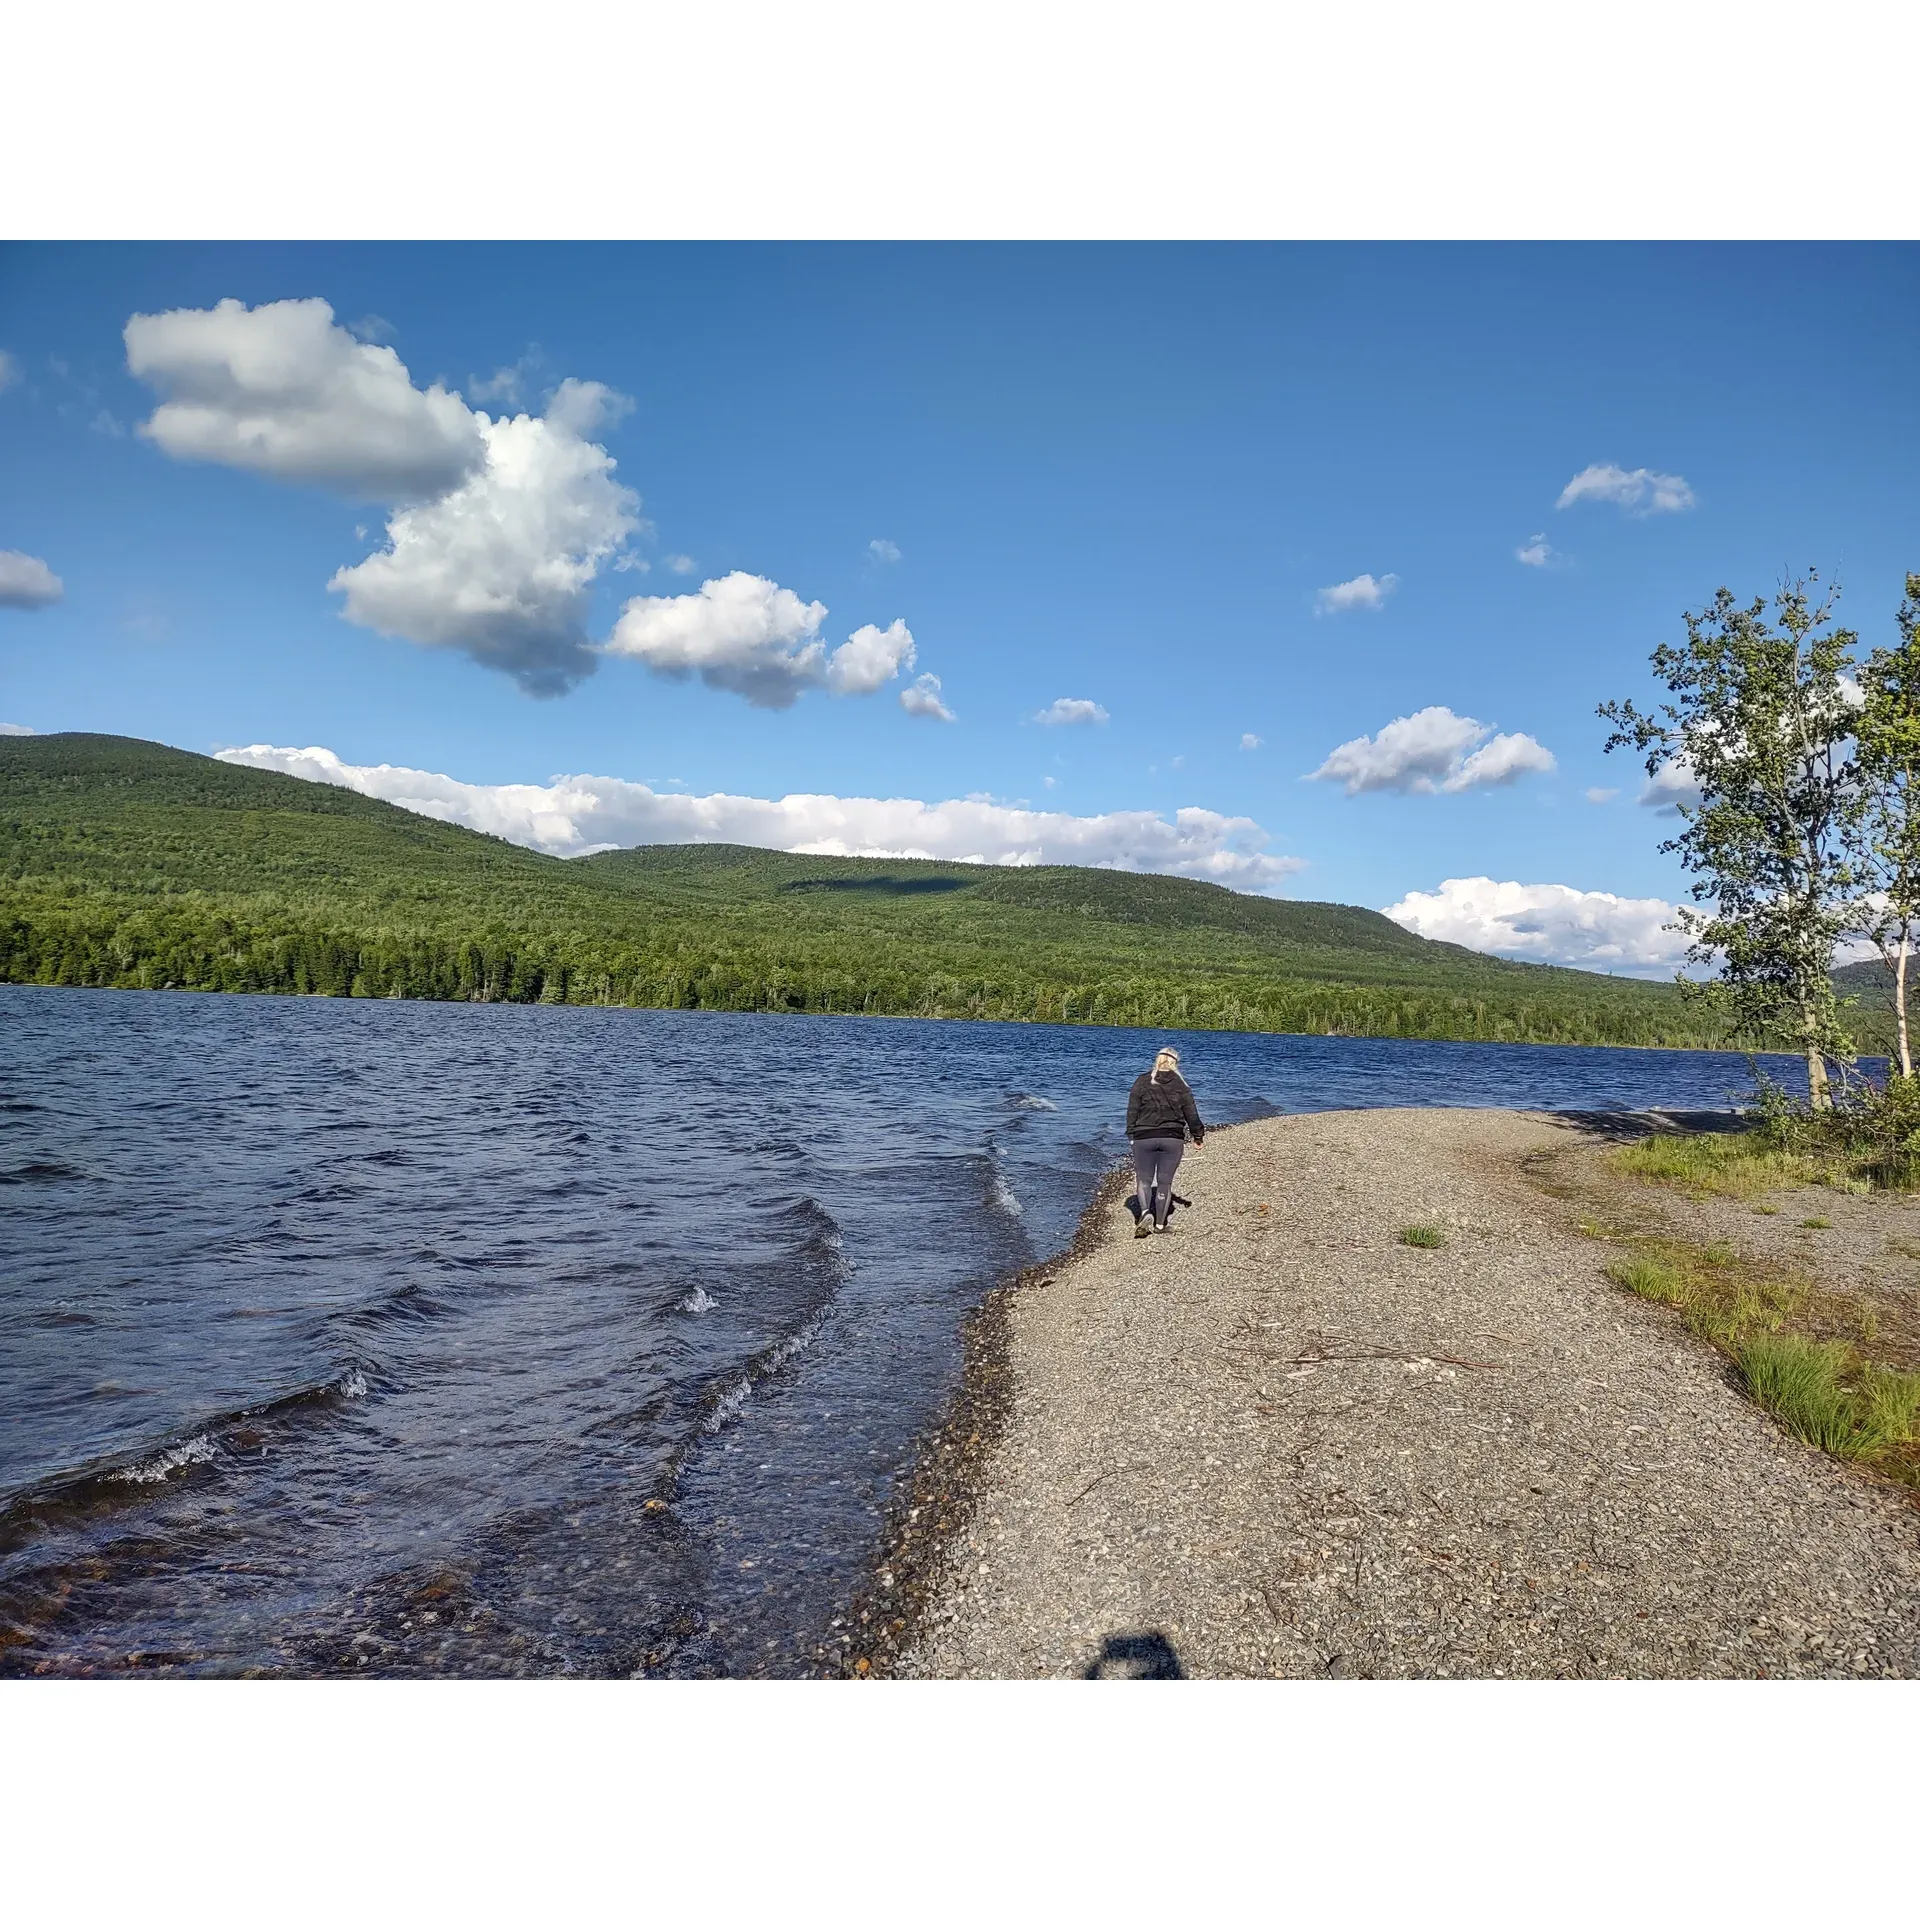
1887, 833
1760, 717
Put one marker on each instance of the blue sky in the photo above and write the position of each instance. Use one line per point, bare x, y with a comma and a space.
1121, 475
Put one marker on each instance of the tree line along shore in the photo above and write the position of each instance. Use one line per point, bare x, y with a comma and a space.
130, 864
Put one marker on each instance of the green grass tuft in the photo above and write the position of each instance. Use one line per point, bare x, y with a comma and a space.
1737, 1166
1422, 1237
1806, 1384
1819, 1220
1652, 1279
1798, 1381
1892, 1405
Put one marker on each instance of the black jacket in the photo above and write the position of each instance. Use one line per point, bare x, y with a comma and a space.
1163, 1110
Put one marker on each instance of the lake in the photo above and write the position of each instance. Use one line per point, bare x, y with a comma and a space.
389, 1337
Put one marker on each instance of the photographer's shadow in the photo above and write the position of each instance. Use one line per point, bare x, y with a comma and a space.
1135, 1656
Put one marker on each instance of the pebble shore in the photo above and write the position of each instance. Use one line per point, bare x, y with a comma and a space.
1278, 1442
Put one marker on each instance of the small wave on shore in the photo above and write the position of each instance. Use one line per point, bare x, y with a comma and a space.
194, 1452
1000, 1198
72, 1492
734, 1398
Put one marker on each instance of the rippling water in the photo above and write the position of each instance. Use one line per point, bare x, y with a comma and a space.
389, 1337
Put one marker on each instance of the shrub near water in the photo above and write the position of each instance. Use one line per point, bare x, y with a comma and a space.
1869, 1138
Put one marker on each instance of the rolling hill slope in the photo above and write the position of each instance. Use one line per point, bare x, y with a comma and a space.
123, 863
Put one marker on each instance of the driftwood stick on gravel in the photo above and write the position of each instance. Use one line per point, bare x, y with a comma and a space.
1388, 1353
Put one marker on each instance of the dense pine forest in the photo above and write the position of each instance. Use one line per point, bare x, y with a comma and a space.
128, 864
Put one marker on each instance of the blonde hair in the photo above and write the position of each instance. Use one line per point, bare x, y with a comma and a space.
1167, 1061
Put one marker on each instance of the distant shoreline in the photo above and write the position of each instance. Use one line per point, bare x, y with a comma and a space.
134, 864
944, 1019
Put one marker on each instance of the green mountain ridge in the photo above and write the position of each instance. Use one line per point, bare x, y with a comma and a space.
128, 863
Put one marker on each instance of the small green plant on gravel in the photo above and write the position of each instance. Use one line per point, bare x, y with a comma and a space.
1652, 1279
1766, 1209
1422, 1237
1730, 1317
1798, 1381
1893, 1404
1818, 1389
1818, 1220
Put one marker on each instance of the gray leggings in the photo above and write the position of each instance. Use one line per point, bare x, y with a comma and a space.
1154, 1165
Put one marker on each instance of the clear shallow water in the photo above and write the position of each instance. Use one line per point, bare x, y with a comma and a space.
394, 1337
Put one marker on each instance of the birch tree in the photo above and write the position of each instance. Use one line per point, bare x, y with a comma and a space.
1759, 716
1888, 832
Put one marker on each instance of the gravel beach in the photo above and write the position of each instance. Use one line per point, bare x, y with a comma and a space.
1276, 1441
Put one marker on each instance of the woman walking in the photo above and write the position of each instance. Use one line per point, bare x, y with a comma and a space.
1160, 1118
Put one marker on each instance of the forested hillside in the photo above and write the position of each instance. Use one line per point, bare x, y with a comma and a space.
131, 864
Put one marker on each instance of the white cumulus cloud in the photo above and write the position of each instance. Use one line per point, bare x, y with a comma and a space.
280, 389
9, 369
510, 383
1433, 751
14, 729
500, 566
584, 813
883, 550
1601, 795
1640, 492
1536, 553
1675, 785
1249, 741
923, 698
741, 632
870, 657
1073, 713
499, 527
1363, 590
26, 582
1563, 925
753, 637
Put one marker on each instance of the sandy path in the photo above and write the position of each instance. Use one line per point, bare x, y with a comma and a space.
1253, 1447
